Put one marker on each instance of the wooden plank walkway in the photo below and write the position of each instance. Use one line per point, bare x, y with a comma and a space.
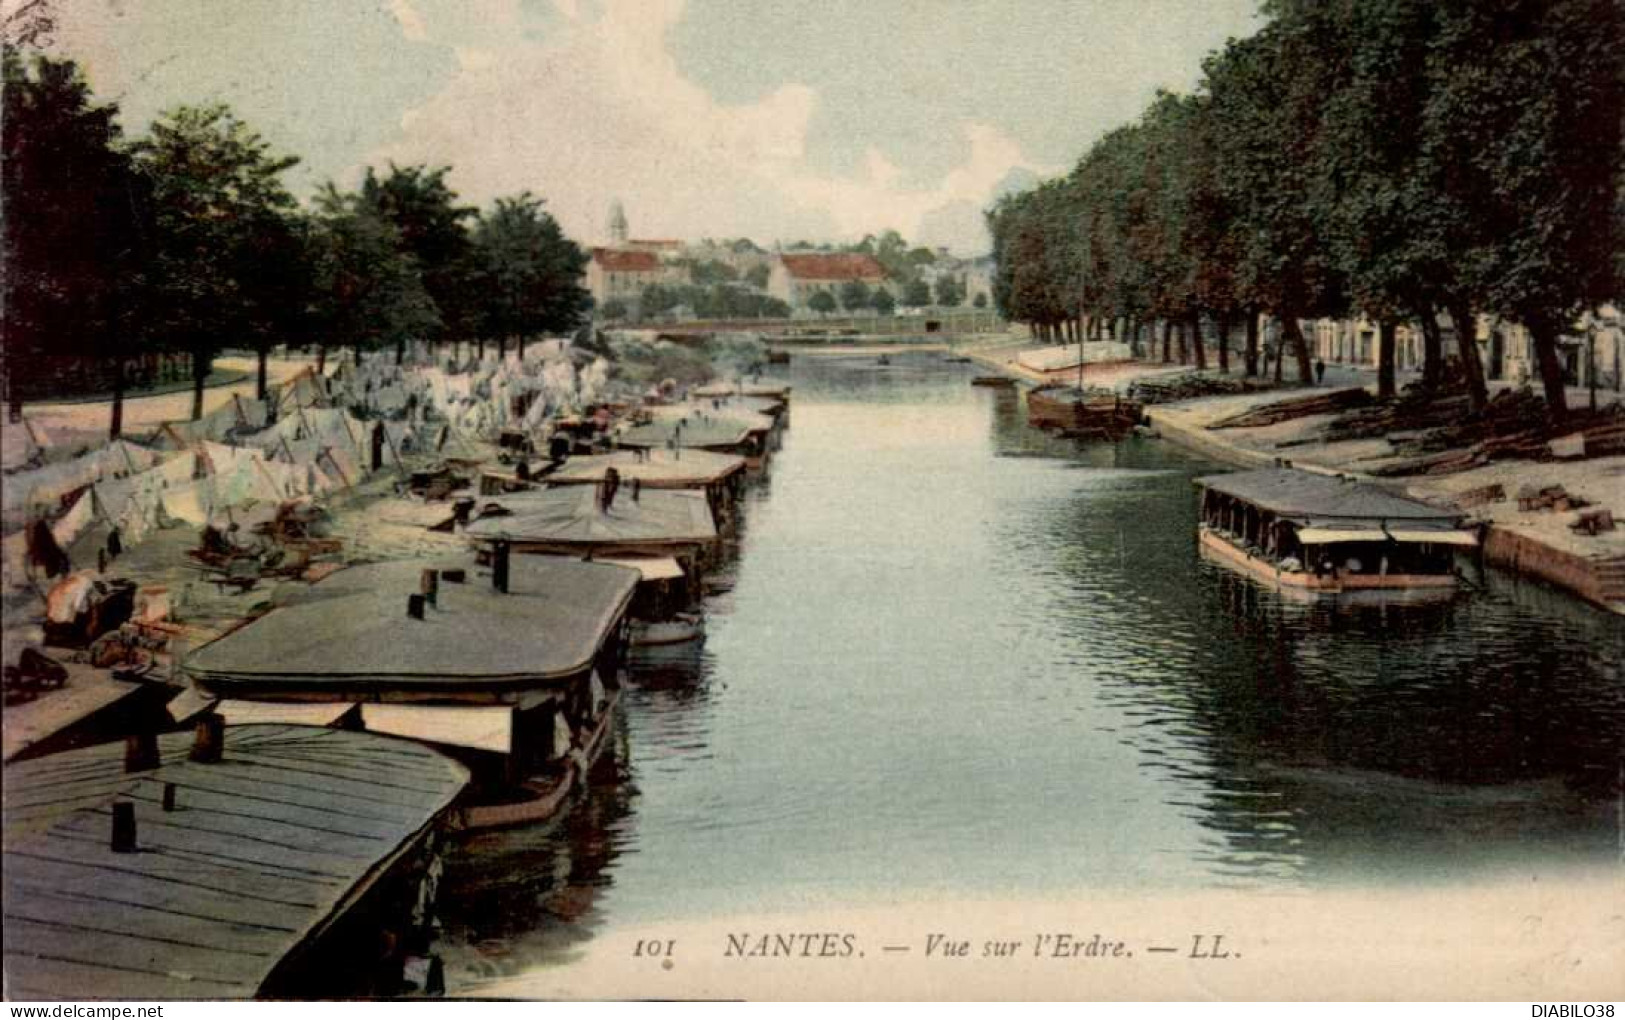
261, 852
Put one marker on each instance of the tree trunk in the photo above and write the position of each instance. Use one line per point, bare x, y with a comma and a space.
1385, 358
1224, 344
400, 351
1167, 339
1252, 343
1461, 317
1543, 334
1300, 347
519, 341
357, 355
1432, 349
261, 386
1197, 345
321, 359
1181, 344
200, 375
115, 426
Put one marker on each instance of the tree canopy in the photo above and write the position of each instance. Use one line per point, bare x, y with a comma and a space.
187, 240
74, 262
1396, 158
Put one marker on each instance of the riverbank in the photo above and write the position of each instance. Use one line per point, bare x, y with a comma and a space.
1535, 543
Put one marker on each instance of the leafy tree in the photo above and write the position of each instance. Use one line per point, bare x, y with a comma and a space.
883, 302
614, 309
1269, 93
917, 294
757, 275
367, 290
434, 229
980, 301
822, 302
855, 295
221, 213
950, 291
75, 231
1524, 116
529, 273
891, 251
705, 272
658, 299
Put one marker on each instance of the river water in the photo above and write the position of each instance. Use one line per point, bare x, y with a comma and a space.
958, 658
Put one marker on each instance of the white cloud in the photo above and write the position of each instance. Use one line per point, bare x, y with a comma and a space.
601, 110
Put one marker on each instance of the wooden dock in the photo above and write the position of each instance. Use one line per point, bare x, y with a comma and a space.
223, 896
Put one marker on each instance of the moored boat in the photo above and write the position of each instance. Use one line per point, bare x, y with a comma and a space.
678, 629
1326, 535
1087, 414
517, 678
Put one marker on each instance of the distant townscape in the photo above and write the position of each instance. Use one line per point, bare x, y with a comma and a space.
662, 280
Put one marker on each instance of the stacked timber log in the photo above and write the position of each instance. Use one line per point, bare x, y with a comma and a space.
1165, 389
1414, 411
1297, 407
1481, 496
1511, 426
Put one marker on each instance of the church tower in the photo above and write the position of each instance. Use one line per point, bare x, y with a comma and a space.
617, 224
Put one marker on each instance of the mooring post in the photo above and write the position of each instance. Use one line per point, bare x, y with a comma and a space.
141, 752
123, 841
499, 566
209, 739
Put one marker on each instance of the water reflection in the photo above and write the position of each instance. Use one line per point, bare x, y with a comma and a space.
954, 655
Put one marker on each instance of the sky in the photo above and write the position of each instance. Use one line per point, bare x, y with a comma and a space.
773, 119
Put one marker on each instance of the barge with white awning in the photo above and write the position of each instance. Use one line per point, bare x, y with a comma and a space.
1330, 535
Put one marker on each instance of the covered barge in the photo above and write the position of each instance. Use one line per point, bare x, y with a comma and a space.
1321, 534
254, 861
516, 676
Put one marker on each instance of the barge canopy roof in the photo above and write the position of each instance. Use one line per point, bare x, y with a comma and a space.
661, 468
570, 515
692, 434
1309, 497
702, 413
265, 848
352, 630
764, 388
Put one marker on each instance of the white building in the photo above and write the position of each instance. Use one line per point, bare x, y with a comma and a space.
797, 276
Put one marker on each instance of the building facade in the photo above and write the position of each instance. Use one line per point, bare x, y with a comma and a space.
796, 276
1592, 349
620, 275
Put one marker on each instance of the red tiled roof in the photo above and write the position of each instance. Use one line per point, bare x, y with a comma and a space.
833, 266
618, 261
